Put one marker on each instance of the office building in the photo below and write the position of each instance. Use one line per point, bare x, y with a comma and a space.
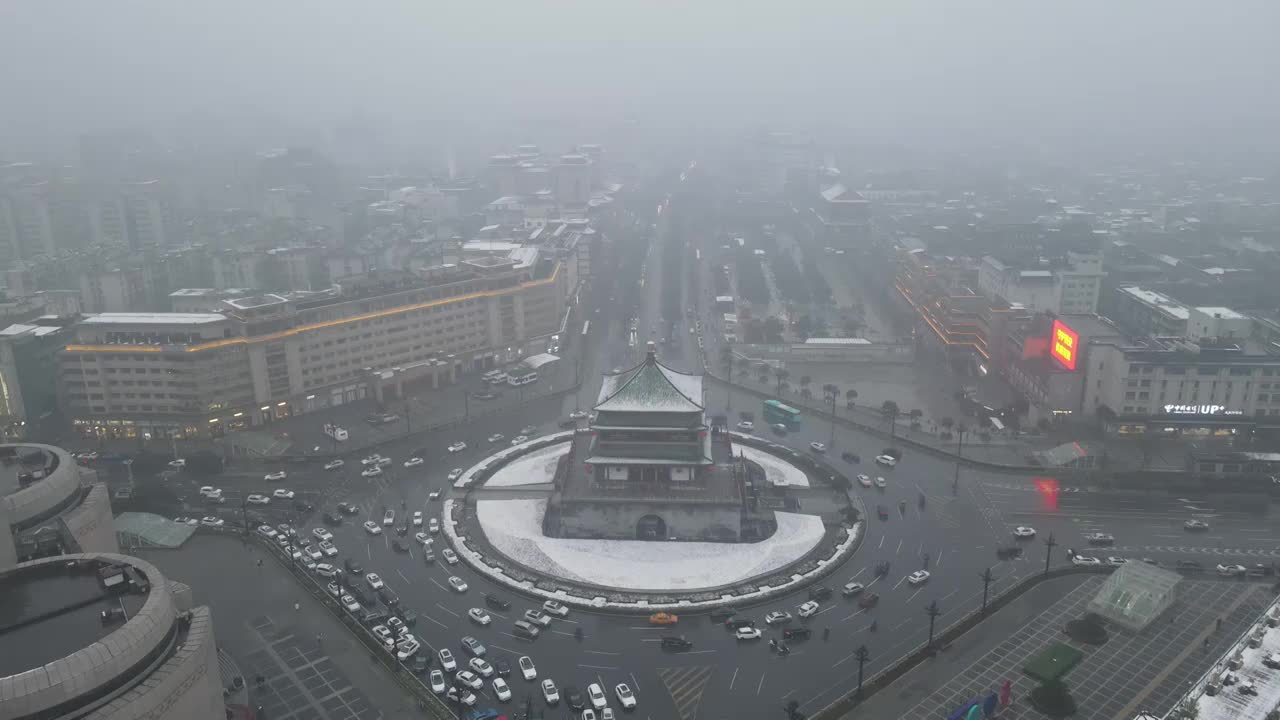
269, 356
29, 374
1067, 285
1144, 312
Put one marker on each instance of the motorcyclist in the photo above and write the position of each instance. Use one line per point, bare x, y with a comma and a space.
873, 626
902, 506
921, 500
926, 561
577, 633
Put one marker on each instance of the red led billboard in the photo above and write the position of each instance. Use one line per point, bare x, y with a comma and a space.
1064, 345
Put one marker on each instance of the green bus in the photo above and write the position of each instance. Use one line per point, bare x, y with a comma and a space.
776, 413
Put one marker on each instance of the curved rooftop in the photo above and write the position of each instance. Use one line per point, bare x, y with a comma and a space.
57, 651
36, 481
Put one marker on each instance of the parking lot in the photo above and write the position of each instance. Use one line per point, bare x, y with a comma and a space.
310, 665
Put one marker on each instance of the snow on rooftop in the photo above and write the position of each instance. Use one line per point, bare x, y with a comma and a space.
1225, 313
535, 468
1158, 300
1229, 703
777, 472
837, 341
514, 528
153, 318
650, 386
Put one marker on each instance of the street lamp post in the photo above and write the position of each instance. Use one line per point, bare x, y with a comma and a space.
955, 481
934, 611
862, 655
1049, 543
987, 578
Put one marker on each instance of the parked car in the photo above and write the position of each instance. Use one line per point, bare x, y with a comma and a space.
275, 476
558, 609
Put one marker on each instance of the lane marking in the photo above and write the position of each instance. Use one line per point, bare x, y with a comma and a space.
733, 679
447, 610
601, 652
761, 683
597, 667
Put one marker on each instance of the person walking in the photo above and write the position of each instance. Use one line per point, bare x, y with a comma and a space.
826, 633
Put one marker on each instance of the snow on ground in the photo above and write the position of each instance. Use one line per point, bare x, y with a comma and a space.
465, 479
533, 468
514, 528
776, 470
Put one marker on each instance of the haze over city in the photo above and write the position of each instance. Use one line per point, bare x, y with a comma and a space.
639, 360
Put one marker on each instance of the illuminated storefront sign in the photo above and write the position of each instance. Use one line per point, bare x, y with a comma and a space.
1064, 345
1200, 410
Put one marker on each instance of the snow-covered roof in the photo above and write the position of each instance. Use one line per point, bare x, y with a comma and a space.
650, 386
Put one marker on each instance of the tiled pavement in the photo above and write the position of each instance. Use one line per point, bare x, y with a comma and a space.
1146, 670
299, 680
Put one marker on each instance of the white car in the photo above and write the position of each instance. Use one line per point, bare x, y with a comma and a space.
864, 480
778, 617
374, 471
817, 447
880, 482
389, 518
457, 447
433, 526
518, 439
500, 690
211, 492
350, 603
176, 463
809, 609
371, 460
1231, 570
450, 556
747, 633
457, 583
479, 616
372, 528
274, 476
322, 534
918, 577
1022, 531
497, 437
283, 494
334, 464
746, 426
528, 429
437, 682
417, 518
480, 666
470, 679
607, 714
312, 552
455, 473
588, 714
1115, 561
433, 495
328, 548
333, 588
267, 531
211, 521
384, 634
407, 648
625, 696
1195, 525
257, 500
549, 692
413, 462
595, 694
383, 462
423, 538
446, 660
528, 670
537, 617
466, 697
1086, 560
374, 581
551, 607
577, 414
851, 589
886, 460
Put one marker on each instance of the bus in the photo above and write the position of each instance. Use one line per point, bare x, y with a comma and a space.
776, 413
494, 377
522, 376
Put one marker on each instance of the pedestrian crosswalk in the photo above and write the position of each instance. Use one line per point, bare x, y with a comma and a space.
1194, 550
686, 685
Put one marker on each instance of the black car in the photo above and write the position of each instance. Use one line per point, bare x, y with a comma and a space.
410, 618
796, 633
402, 530
722, 614
850, 457
400, 546
1008, 553
348, 509
332, 519
573, 696
735, 623
388, 597
502, 667
568, 424
676, 642
373, 617
302, 506
1189, 566
360, 595
352, 566
421, 662
496, 602
484, 395
819, 593
428, 557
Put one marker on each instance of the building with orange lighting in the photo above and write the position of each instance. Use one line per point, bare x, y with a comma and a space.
265, 357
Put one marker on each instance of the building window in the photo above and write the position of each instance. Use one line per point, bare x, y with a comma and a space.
1128, 396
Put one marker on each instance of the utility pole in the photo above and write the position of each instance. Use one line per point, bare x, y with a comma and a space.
934, 611
408, 423
1049, 544
862, 655
987, 578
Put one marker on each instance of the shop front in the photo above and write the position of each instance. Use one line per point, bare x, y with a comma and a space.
1189, 422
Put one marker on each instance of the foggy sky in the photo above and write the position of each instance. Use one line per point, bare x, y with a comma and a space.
1184, 70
